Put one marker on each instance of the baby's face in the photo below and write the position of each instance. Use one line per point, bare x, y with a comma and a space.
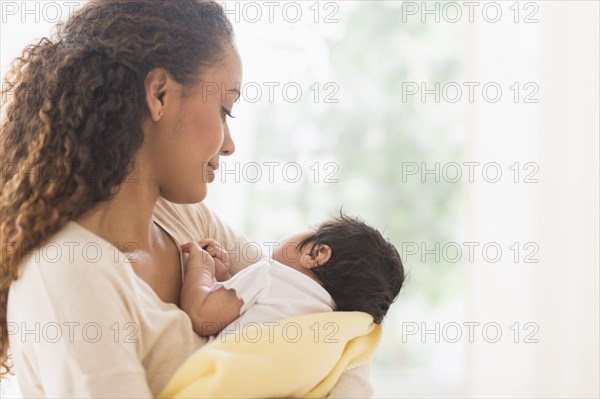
288, 253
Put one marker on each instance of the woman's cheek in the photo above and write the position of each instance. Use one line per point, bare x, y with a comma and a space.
212, 132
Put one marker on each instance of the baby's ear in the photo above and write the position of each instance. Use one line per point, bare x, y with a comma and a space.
319, 255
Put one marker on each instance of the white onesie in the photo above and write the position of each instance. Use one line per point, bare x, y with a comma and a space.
272, 291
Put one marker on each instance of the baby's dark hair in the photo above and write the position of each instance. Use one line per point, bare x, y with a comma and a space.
364, 273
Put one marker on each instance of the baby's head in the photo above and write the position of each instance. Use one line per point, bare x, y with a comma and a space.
360, 269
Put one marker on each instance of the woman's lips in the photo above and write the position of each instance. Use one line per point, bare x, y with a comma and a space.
213, 166
210, 172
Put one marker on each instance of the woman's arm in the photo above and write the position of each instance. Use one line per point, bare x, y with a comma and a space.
65, 319
353, 383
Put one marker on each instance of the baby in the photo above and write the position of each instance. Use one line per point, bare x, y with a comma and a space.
343, 264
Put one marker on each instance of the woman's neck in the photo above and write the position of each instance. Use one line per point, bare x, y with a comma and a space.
127, 217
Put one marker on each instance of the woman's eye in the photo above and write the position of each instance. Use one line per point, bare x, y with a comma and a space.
226, 113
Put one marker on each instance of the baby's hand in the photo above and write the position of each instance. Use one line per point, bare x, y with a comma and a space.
220, 257
198, 259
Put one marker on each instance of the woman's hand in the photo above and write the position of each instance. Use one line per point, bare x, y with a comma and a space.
220, 257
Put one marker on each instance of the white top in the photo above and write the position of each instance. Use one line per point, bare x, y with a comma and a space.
81, 323
272, 291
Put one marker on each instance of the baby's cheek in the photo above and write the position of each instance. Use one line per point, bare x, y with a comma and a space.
276, 254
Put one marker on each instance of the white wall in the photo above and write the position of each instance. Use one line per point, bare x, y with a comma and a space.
560, 213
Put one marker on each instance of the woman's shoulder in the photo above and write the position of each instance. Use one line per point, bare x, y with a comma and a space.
186, 222
74, 256
194, 222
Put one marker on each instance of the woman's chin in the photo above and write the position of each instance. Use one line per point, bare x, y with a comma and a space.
210, 177
188, 196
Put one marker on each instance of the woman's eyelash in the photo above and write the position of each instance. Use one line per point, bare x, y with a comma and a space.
226, 112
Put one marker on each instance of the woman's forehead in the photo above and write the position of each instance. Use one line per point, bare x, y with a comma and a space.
229, 69
226, 77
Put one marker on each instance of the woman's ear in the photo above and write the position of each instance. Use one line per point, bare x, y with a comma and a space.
319, 255
156, 84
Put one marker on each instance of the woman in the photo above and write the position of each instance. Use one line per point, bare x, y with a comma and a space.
112, 124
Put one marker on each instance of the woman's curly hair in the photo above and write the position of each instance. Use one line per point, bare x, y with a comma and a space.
73, 107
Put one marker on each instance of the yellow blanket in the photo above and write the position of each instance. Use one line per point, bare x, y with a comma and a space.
299, 357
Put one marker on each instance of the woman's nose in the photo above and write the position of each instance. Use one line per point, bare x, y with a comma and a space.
228, 146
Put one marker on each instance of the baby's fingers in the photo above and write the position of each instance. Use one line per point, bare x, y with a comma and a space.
214, 249
191, 248
197, 254
209, 243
